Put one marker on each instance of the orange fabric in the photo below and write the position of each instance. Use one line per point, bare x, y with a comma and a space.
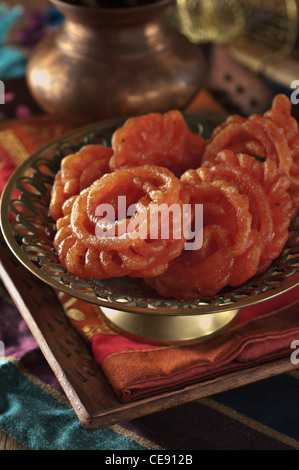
136, 370
202, 102
30, 134
139, 374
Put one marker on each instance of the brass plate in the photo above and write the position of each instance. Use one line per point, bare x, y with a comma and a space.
170, 329
22, 232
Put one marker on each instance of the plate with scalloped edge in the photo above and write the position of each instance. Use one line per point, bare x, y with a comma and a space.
127, 303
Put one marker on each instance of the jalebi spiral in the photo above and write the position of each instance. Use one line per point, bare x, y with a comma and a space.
76, 173
90, 244
157, 139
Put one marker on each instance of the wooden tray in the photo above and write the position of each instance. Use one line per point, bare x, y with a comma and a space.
86, 387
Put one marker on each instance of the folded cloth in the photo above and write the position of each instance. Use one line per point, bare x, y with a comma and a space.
137, 370
262, 333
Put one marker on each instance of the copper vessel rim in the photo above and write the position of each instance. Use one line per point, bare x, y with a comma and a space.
68, 7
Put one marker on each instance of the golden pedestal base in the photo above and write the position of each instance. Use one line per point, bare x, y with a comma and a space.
169, 329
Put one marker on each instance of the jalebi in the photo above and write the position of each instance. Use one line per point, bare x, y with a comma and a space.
157, 139
90, 244
280, 114
76, 173
257, 136
267, 190
273, 135
227, 235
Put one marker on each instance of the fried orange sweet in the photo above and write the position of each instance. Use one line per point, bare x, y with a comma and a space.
294, 174
197, 274
267, 190
78, 171
281, 114
91, 242
273, 135
227, 235
257, 136
157, 139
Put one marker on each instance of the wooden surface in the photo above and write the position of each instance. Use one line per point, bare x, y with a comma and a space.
8, 443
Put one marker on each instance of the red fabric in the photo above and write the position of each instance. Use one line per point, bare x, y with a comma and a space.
6, 167
261, 333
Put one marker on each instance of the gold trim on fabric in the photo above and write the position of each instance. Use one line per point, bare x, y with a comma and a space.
134, 437
14, 146
251, 423
90, 330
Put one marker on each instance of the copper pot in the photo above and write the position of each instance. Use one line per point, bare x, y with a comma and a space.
102, 63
